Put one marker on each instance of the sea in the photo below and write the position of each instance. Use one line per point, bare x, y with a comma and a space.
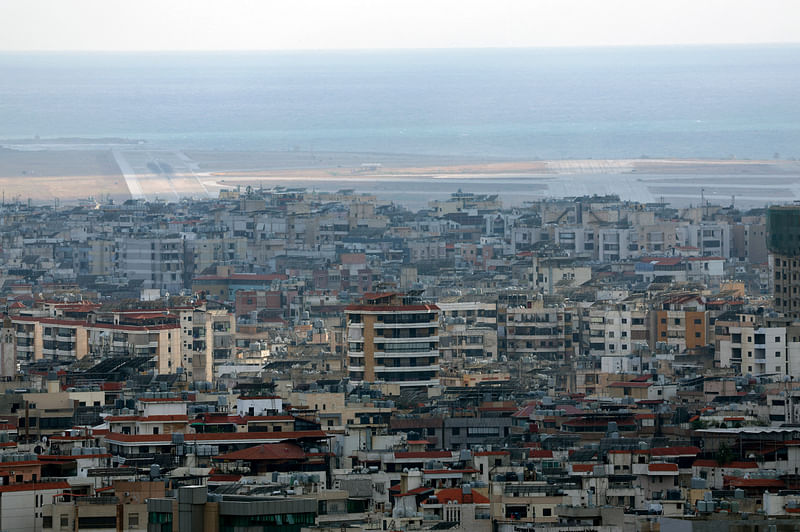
506, 104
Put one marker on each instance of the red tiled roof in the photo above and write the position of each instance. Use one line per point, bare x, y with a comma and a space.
35, 486
735, 482
456, 494
147, 419
730, 465
583, 468
662, 467
540, 453
491, 453
267, 451
416, 491
10, 465
680, 450
423, 455
524, 412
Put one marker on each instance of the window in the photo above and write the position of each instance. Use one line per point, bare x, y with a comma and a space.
64, 520
546, 512
133, 520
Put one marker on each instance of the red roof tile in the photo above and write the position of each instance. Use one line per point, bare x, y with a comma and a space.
735, 482
680, 450
267, 451
35, 486
416, 491
423, 455
730, 465
456, 494
662, 467
540, 453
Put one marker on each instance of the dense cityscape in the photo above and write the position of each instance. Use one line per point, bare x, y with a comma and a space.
281, 359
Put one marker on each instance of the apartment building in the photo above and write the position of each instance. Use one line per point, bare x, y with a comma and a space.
393, 338
67, 340
783, 242
158, 262
537, 330
614, 329
680, 322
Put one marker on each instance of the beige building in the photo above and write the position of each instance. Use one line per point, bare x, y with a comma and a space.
393, 338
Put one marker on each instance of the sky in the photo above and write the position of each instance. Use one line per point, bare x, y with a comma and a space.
186, 25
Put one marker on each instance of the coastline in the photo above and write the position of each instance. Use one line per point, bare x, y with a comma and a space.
72, 175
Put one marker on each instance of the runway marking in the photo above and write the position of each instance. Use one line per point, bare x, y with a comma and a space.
131, 180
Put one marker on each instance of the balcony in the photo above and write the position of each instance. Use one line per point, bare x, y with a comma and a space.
407, 354
425, 324
404, 369
405, 340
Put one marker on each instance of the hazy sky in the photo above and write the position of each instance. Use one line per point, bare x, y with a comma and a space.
335, 24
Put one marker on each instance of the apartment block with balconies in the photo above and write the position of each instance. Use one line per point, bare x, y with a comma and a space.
393, 338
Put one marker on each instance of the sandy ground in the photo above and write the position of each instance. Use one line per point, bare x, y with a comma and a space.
68, 175
122, 172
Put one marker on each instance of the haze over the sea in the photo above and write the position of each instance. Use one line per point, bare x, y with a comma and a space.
550, 103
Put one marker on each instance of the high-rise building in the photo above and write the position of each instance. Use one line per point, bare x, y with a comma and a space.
783, 242
393, 338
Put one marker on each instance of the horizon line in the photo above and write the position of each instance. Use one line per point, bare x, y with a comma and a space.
401, 48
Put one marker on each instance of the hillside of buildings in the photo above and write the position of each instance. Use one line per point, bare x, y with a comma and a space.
282, 359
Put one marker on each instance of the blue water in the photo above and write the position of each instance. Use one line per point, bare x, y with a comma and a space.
737, 101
